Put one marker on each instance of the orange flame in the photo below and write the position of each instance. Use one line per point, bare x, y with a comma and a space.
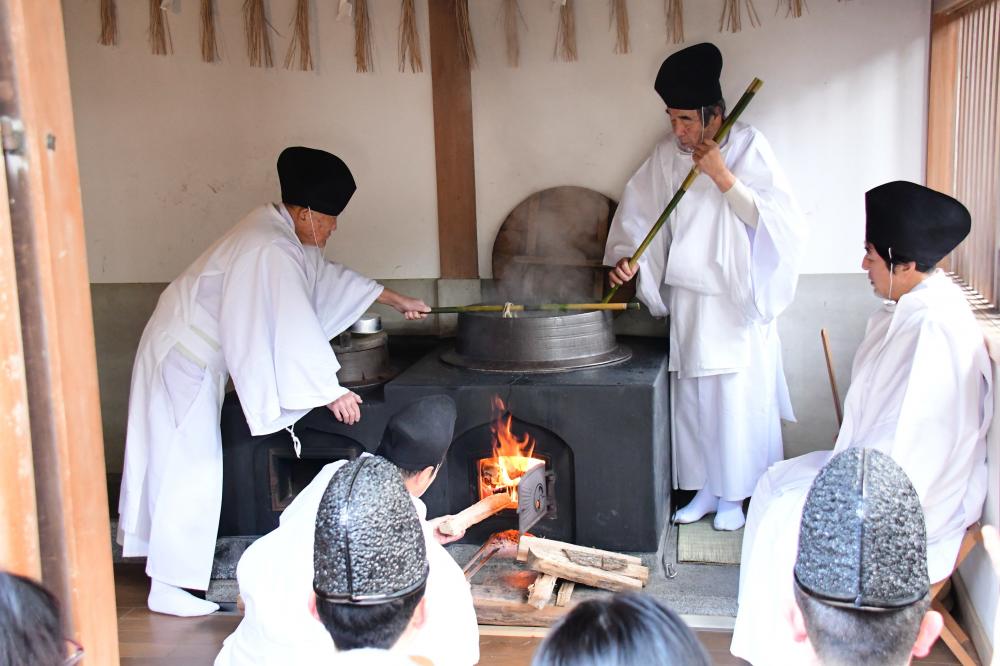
512, 456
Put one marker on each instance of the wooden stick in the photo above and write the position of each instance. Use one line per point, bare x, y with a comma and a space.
541, 590
833, 378
554, 307
476, 513
547, 562
727, 125
565, 592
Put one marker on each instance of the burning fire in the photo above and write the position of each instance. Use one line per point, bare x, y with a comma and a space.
511, 457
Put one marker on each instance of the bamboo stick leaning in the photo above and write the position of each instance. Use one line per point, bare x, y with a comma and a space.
833, 378
727, 125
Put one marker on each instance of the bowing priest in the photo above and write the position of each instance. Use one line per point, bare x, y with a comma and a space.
920, 392
723, 267
276, 572
260, 306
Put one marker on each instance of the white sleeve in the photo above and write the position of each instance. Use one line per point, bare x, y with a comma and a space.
740, 199
275, 346
342, 296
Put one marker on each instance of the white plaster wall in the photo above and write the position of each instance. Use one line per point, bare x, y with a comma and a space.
844, 105
174, 151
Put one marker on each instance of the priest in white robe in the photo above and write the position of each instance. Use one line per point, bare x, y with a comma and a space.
275, 574
260, 305
920, 392
723, 267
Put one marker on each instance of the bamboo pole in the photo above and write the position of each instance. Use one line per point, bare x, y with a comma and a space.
833, 378
553, 307
727, 125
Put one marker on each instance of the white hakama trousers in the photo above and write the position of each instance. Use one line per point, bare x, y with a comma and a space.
180, 475
763, 634
726, 428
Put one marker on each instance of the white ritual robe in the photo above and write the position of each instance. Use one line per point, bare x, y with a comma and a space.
257, 305
921, 392
722, 284
275, 576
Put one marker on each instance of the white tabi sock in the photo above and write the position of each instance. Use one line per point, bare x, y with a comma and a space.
172, 600
729, 516
704, 503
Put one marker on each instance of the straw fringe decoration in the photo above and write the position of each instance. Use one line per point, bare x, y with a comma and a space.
109, 24
255, 28
674, 10
794, 8
731, 15
409, 39
209, 44
510, 14
300, 38
566, 36
364, 49
619, 15
466, 45
160, 42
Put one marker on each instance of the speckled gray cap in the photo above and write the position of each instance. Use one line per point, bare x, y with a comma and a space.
369, 545
863, 543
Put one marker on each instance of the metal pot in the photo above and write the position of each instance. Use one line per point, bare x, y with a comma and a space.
535, 342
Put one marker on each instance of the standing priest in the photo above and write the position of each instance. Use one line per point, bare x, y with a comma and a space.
920, 393
723, 267
260, 305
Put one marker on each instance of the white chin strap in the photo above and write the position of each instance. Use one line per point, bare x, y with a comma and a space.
891, 271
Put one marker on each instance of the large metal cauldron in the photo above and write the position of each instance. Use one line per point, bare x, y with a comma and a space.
535, 342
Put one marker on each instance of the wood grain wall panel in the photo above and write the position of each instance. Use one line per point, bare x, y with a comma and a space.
451, 84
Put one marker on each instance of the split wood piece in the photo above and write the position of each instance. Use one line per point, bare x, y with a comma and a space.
476, 513
541, 591
565, 592
552, 563
506, 612
603, 560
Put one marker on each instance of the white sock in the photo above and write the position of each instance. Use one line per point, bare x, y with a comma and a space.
172, 600
729, 516
704, 503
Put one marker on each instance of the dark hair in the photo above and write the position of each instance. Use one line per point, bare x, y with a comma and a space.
849, 637
30, 626
898, 259
712, 110
408, 474
623, 630
353, 626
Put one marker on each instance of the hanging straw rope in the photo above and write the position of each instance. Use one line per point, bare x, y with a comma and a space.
109, 24
209, 44
510, 15
300, 38
255, 27
566, 35
619, 16
160, 42
364, 49
409, 39
731, 15
794, 8
674, 9
466, 45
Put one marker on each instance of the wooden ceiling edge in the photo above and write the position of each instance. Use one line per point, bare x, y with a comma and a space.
953, 8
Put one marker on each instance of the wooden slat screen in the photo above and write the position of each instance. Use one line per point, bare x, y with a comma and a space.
976, 146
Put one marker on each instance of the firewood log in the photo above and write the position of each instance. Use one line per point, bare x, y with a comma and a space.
476, 513
541, 591
551, 563
628, 565
565, 592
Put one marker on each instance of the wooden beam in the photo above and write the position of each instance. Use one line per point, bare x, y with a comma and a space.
19, 552
942, 107
451, 88
56, 324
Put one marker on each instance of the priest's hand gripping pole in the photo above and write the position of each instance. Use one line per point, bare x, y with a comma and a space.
554, 307
727, 125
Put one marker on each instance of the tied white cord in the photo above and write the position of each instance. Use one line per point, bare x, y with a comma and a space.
890, 274
296, 442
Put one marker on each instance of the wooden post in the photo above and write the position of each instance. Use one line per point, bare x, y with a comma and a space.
942, 101
19, 551
451, 88
56, 322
